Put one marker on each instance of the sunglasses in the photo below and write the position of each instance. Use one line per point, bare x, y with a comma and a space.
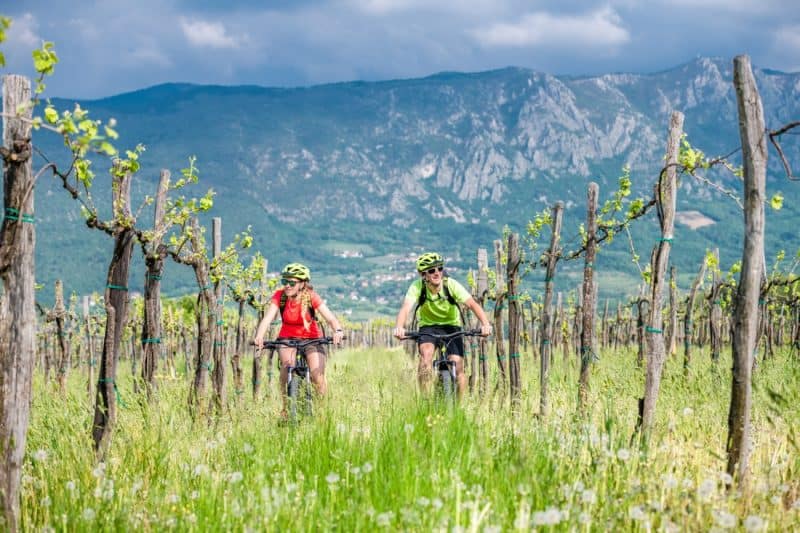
289, 282
434, 270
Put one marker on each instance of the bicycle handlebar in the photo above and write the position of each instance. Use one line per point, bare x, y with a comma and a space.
443, 336
294, 343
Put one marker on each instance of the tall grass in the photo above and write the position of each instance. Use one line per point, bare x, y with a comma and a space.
376, 455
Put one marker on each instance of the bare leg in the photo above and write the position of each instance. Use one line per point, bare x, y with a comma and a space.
461, 377
316, 364
424, 370
287, 356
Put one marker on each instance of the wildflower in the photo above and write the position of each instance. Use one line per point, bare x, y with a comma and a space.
549, 517
235, 477
200, 470
706, 489
726, 478
332, 478
194, 495
137, 485
725, 520
437, 503
409, 428
589, 496
356, 471
688, 411
40, 455
637, 513
623, 454
70, 485
670, 481
88, 514
173, 499
341, 429
99, 471
191, 518
775, 500
247, 448
754, 523
668, 526
367, 468
171, 521
291, 487
422, 501
46, 501
384, 519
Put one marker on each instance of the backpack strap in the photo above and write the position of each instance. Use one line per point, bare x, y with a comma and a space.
423, 296
282, 306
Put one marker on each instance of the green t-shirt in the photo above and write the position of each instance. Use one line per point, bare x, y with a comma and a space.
437, 311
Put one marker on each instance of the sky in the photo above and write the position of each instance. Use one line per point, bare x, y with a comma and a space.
107, 47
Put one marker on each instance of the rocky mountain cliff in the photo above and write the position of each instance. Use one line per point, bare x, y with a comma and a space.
445, 161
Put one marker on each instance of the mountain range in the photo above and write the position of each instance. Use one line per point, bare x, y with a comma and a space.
357, 178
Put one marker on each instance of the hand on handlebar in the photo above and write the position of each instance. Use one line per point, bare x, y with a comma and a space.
486, 329
338, 335
399, 332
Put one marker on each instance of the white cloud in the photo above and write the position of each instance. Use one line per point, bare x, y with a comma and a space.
451, 7
207, 34
601, 27
786, 46
23, 31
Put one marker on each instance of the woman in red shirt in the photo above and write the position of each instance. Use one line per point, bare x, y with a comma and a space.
298, 304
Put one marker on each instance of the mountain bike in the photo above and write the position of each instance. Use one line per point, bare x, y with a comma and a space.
299, 386
443, 368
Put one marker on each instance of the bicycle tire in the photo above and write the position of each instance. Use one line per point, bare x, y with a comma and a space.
309, 400
292, 393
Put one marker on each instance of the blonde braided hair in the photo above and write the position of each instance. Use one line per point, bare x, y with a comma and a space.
305, 304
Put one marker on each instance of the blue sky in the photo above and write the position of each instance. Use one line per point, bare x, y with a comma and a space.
113, 46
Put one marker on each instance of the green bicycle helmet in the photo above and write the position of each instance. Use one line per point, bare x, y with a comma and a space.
429, 260
297, 271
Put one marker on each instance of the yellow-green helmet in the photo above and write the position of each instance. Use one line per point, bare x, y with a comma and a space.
429, 260
297, 271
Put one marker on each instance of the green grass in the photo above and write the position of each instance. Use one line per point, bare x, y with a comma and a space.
376, 455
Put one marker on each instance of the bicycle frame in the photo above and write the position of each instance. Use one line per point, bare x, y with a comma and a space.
299, 371
443, 367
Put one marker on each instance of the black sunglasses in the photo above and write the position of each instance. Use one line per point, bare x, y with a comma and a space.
289, 282
434, 270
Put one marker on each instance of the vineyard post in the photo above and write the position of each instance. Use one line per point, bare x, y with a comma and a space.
152, 330
654, 336
205, 317
257, 353
715, 312
618, 329
499, 304
116, 299
220, 368
512, 275
17, 305
587, 342
482, 284
673, 311
687, 322
745, 320
604, 326
90, 358
58, 315
548, 320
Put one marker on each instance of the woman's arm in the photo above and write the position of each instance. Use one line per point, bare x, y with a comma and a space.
332, 321
263, 326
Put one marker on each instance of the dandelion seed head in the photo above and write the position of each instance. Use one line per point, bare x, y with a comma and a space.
706, 488
70, 485
725, 519
173, 499
367, 468
589, 496
688, 411
637, 513
550, 517
332, 478
247, 448
623, 454
754, 523
235, 477
40, 455
422, 501
194, 495
88, 514
46, 501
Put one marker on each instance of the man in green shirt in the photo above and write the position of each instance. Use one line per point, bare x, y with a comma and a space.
438, 314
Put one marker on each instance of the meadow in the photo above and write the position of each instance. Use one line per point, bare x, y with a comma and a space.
378, 456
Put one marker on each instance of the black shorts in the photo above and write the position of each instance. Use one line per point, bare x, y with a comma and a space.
311, 347
453, 346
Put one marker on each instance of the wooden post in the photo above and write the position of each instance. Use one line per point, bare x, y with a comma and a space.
546, 350
512, 269
17, 309
59, 315
673, 311
654, 336
688, 317
220, 364
263, 302
745, 320
482, 285
587, 344
499, 304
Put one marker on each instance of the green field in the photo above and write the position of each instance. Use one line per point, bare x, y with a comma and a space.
377, 456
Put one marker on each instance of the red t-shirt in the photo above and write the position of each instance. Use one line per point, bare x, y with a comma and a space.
291, 321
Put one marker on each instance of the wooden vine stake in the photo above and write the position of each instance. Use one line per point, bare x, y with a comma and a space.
653, 331
587, 344
548, 320
514, 311
745, 319
17, 309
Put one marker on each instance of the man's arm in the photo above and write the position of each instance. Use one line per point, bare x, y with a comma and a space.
402, 316
477, 310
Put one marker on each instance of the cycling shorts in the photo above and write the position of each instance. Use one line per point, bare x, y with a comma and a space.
454, 346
